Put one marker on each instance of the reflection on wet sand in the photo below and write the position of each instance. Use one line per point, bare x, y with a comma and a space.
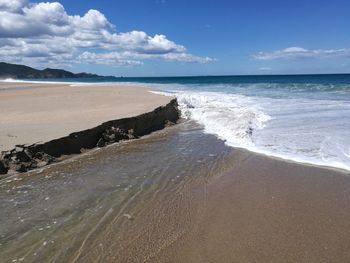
120, 202
177, 195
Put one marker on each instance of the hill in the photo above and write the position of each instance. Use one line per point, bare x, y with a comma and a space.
8, 70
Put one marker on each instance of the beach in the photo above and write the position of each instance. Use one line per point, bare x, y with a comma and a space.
268, 210
34, 112
202, 201
42, 124
174, 193
174, 131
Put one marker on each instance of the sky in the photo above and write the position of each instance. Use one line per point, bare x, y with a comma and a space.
178, 37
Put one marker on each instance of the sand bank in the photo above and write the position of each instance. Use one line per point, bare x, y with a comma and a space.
56, 120
32, 113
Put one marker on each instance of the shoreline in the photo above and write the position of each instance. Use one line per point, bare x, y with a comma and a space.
297, 160
294, 161
137, 112
208, 203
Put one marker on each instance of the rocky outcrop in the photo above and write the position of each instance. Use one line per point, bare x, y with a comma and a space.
3, 167
115, 134
27, 157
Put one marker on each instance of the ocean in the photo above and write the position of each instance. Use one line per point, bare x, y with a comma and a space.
303, 118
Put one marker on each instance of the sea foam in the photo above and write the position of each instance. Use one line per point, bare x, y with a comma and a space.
233, 118
298, 129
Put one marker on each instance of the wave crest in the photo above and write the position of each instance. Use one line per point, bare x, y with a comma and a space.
232, 118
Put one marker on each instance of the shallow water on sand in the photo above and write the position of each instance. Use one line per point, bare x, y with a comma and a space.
113, 204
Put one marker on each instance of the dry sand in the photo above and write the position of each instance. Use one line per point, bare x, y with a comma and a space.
32, 113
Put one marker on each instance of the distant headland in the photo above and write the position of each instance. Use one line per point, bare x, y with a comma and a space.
8, 70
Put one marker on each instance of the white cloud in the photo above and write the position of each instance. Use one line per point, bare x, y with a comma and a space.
299, 52
12, 5
45, 32
132, 58
111, 58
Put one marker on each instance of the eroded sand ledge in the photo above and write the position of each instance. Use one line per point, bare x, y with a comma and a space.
86, 105
37, 113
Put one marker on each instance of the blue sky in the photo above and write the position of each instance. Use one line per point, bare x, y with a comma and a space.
200, 37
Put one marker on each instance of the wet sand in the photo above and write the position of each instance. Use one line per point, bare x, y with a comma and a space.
32, 113
269, 210
177, 195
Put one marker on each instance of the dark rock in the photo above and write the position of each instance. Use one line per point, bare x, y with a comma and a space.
33, 164
41, 159
39, 155
22, 168
131, 134
74, 135
108, 137
3, 167
22, 159
121, 134
49, 159
23, 156
112, 134
101, 143
6, 155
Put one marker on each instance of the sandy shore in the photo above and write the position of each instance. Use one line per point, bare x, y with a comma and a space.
199, 202
32, 113
176, 196
268, 210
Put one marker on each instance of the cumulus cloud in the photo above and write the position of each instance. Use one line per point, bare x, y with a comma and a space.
111, 58
132, 58
45, 32
12, 5
299, 52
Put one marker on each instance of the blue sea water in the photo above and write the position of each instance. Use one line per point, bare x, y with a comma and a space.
305, 118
